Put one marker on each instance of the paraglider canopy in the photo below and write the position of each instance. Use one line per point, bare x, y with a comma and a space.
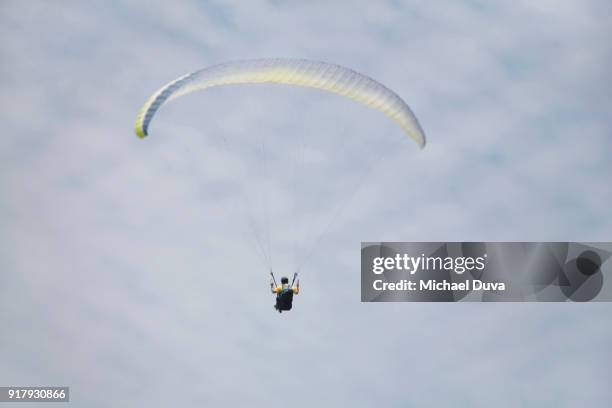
298, 72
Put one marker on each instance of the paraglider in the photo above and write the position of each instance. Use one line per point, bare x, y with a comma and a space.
294, 72
284, 292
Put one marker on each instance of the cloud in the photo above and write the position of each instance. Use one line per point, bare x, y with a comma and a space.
130, 272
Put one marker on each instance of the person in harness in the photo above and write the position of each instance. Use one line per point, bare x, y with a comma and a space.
284, 292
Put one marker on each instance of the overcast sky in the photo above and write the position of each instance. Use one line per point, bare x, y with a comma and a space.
128, 270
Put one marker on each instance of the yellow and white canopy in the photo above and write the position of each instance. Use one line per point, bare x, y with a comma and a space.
299, 72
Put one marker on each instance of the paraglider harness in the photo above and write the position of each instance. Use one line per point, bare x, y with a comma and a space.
284, 298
